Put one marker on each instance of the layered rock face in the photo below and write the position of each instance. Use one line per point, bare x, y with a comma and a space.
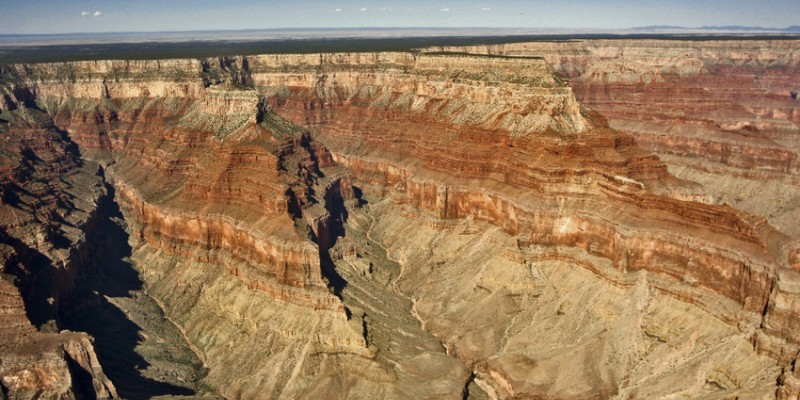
232, 210
719, 113
566, 189
400, 225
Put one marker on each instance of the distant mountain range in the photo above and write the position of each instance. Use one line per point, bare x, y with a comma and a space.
725, 28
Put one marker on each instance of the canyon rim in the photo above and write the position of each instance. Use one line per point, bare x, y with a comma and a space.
593, 218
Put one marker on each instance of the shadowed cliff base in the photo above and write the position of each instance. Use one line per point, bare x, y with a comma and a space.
336, 222
33, 281
140, 350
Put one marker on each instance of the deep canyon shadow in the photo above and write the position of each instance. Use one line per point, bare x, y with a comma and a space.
334, 203
104, 270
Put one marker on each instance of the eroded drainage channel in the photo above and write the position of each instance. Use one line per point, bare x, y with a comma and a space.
140, 350
386, 319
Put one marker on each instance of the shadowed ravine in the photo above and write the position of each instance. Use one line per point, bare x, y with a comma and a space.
141, 351
385, 315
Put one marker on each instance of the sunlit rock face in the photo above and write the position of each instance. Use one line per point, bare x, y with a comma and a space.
720, 113
398, 225
723, 114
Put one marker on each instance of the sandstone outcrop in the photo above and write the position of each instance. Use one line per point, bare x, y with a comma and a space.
360, 223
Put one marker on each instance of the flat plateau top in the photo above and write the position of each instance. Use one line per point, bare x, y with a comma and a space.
38, 49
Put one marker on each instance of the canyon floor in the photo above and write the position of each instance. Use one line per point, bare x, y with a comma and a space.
596, 218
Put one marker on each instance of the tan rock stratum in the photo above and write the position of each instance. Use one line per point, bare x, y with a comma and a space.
577, 220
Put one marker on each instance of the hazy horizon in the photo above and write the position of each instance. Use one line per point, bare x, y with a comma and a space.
370, 31
108, 16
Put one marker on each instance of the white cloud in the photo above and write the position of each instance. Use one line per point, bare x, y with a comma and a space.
85, 13
363, 9
486, 9
444, 9
97, 14
337, 10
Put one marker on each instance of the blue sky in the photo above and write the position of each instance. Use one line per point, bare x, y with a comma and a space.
68, 16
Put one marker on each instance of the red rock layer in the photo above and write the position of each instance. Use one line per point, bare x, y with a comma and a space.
705, 104
217, 200
723, 101
560, 183
203, 174
528, 181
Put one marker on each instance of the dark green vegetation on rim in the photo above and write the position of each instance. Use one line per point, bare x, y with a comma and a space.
201, 49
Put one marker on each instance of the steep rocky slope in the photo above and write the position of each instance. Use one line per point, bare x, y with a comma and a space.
720, 113
390, 225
